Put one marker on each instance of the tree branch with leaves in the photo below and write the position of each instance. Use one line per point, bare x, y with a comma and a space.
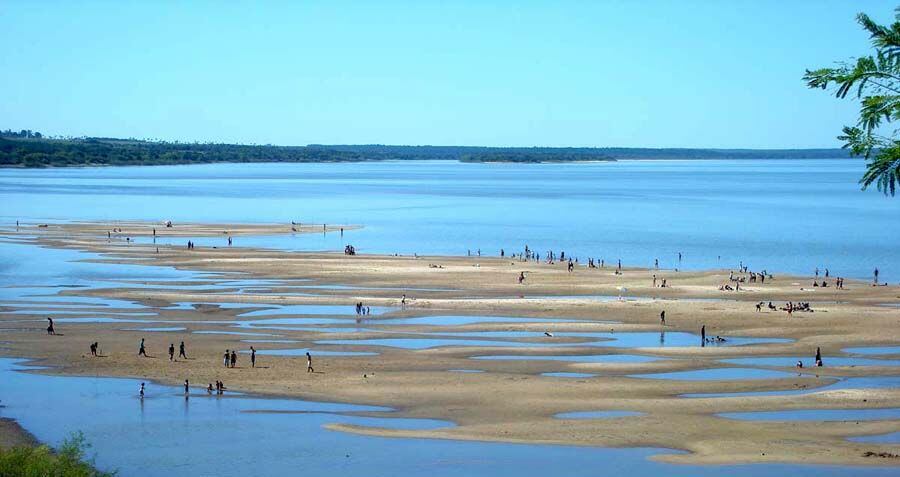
875, 81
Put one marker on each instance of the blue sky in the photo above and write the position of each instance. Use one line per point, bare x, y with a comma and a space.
555, 73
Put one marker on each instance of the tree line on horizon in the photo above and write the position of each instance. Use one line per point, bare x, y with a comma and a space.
29, 149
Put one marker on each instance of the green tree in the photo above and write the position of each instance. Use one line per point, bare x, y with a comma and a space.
875, 81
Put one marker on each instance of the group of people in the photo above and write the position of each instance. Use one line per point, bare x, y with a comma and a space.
94, 349
190, 245
662, 282
349, 250
220, 387
838, 283
230, 359
362, 310
181, 352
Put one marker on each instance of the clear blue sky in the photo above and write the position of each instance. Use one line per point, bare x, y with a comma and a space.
555, 73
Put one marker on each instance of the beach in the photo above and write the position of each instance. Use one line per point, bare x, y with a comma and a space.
410, 367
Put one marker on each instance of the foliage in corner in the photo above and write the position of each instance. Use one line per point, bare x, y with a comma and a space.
68, 461
875, 81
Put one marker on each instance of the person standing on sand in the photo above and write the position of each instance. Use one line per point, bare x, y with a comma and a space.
252, 357
171, 352
703, 335
50, 329
876, 275
662, 317
181, 353
225, 358
142, 351
309, 368
233, 358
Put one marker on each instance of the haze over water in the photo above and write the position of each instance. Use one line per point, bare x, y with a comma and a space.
779, 215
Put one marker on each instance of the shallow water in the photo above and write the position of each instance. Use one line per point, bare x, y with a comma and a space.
816, 415
864, 382
454, 320
874, 350
425, 343
891, 438
165, 434
579, 208
718, 374
809, 362
652, 339
568, 375
314, 310
590, 358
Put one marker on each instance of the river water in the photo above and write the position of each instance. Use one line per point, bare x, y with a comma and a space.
783, 216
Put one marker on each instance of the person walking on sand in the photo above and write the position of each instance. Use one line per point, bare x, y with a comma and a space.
142, 351
703, 335
309, 368
662, 318
226, 357
252, 357
50, 329
181, 353
233, 358
521, 278
171, 352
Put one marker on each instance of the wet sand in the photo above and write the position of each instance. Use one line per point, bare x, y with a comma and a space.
511, 401
12, 435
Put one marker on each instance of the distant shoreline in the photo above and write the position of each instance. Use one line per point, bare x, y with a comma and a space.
35, 152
